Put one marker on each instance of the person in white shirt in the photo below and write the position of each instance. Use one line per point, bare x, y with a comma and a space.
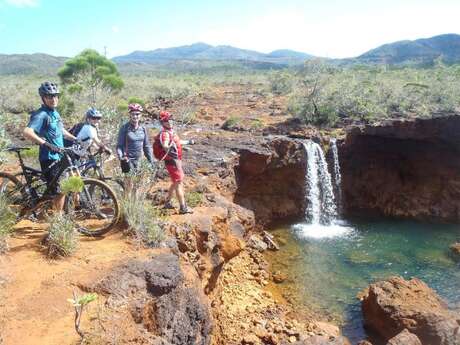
88, 134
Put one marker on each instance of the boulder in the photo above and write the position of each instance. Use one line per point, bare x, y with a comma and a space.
171, 307
404, 338
455, 250
396, 304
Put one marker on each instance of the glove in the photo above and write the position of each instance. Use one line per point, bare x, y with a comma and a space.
52, 148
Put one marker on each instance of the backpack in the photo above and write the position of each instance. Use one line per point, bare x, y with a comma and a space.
74, 131
175, 152
158, 150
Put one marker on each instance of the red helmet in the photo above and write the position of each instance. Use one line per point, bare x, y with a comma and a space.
135, 108
165, 116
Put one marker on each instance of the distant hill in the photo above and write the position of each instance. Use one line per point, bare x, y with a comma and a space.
420, 51
203, 51
42, 64
205, 57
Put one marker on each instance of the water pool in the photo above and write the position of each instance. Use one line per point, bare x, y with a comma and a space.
327, 266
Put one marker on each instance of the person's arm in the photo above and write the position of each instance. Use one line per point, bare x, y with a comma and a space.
121, 143
165, 140
30, 134
148, 152
34, 127
68, 135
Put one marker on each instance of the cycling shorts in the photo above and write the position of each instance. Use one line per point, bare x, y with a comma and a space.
50, 169
175, 170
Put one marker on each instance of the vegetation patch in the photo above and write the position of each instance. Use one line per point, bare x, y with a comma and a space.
194, 199
7, 221
72, 184
142, 219
62, 238
231, 123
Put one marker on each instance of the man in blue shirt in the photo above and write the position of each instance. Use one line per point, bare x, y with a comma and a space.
45, 129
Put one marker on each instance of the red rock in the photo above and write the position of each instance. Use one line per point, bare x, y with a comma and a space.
395, 304
404, 168
455, 250
405, 338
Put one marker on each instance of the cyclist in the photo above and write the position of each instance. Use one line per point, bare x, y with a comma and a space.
172, 148
88, 134
45, 129
133, 140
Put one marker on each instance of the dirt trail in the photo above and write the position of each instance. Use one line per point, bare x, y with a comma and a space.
34, 290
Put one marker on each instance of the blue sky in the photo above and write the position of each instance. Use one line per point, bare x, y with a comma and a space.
330, 28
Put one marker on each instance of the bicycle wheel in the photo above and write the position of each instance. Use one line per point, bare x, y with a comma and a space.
13, 190
95, 210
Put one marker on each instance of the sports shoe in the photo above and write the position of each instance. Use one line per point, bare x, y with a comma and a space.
185, 210
168, 205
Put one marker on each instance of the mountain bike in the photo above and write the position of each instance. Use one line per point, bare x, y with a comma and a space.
93, 167
95, 209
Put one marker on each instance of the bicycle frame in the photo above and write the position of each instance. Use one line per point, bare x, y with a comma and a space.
31, 175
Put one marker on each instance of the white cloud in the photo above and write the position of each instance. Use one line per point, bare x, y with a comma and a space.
115, 29
22, 3
336, 34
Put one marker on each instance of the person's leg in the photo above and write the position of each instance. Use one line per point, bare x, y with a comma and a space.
50, 171
171, 191
58, 203
180, 195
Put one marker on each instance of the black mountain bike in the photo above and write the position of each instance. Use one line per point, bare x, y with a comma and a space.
93, 167
95, 210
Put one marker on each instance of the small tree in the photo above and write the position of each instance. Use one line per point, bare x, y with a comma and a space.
91, 78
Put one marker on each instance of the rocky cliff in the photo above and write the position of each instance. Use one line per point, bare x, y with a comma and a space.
406, 169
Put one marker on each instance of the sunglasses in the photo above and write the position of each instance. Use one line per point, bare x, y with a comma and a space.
51, 96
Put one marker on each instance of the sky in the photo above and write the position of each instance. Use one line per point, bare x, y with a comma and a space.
327, 28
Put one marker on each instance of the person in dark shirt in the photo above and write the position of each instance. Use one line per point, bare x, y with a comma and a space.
45, 129
133, 141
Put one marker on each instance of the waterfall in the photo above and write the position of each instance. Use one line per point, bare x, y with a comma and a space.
321, 208
337, 176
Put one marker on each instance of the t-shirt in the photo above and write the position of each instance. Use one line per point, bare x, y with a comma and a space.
47, 124
86, 135
133, 141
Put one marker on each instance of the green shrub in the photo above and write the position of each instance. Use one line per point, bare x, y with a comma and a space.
136, 100
7, 221
142, 219
72, 184
62, 236
231, 123
31, 153
256, 124
281, 82
194, 199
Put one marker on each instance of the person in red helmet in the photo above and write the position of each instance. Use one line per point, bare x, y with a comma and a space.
133, 141
167, 147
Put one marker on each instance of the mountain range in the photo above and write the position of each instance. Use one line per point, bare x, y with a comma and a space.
201, 55
203, 51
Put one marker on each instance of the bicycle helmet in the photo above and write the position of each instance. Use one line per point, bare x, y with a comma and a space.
135, 108
48, 89
93, 113
165, 116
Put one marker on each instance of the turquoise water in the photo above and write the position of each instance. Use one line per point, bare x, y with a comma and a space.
328, 266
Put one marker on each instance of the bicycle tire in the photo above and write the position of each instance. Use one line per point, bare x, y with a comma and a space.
96, 201
12, 189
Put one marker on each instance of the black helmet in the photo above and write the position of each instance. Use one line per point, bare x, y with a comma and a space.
93, 113
48, 88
